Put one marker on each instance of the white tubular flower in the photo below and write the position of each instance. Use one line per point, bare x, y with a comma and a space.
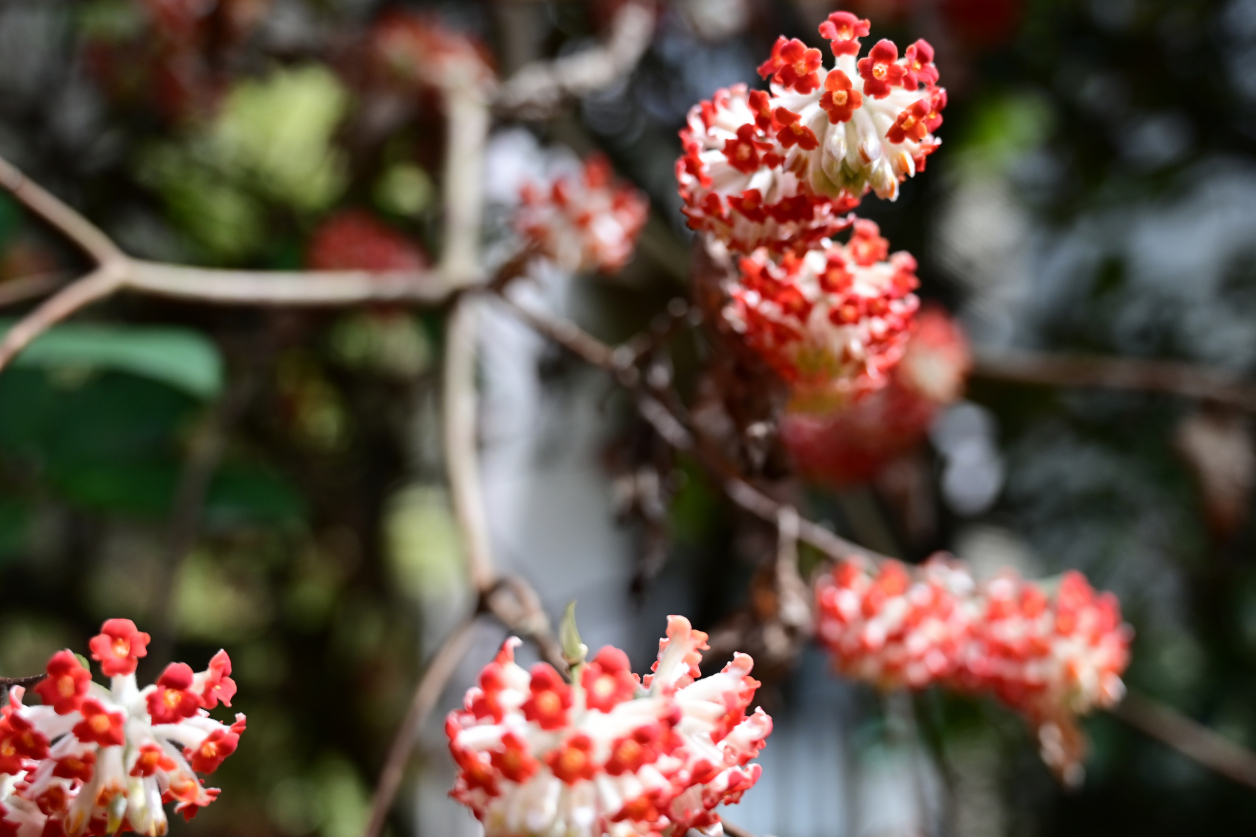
92, 760
607, 755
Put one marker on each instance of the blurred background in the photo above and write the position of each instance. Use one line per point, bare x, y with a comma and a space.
1095, 192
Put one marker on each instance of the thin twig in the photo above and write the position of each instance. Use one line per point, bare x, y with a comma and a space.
670, 427
540, 88
431, 685
7, 683
466, 134
1165, 376
1189, 737
59, 215
286, 288
735, 830
97, 285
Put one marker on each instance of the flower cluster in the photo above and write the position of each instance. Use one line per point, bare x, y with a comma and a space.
92, 760
832, 322
1052, 655
356, 240
853, 445
610, 753
419, 50
585, 222
779, 169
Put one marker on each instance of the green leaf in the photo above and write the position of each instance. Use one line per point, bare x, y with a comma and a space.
181, 358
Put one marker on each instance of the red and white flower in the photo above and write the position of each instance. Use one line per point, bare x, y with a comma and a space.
1052, 652
779, 169
832, 322
92, 760
608, 754
853, 444
892, 628
583, 222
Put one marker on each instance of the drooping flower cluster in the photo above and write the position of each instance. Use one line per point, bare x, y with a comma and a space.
585, 222
609, 754
93, 760
1052, 655
853, 445
832, 322
779, 169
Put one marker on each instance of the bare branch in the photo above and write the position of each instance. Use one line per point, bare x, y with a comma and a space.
670, 427
467, 125
735, 831
59, 215
539, 89
461, 441
1191, 738
430, 687
1171, 377
95, 286
277, 287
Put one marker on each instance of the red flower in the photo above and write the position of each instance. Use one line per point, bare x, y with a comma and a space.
216, 686
793, 132
356, 240
76, 767
19, 740
912, 123
173, 700
867, 247
213, 750
608, 680
99, 726
919, 60
840, 100
743, 152
118, 647
880, 71
574, 761
793, 65
761, 104
514, 762
66, 683
550, 698
150, 759
844, 30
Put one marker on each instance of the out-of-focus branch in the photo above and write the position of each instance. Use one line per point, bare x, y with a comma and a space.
539, 89
24, 682
461, 442
1190, 738
1169, 726
1069, 370
115, 271
467, 123
86, 235
735, 831
431, 685
673, 429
